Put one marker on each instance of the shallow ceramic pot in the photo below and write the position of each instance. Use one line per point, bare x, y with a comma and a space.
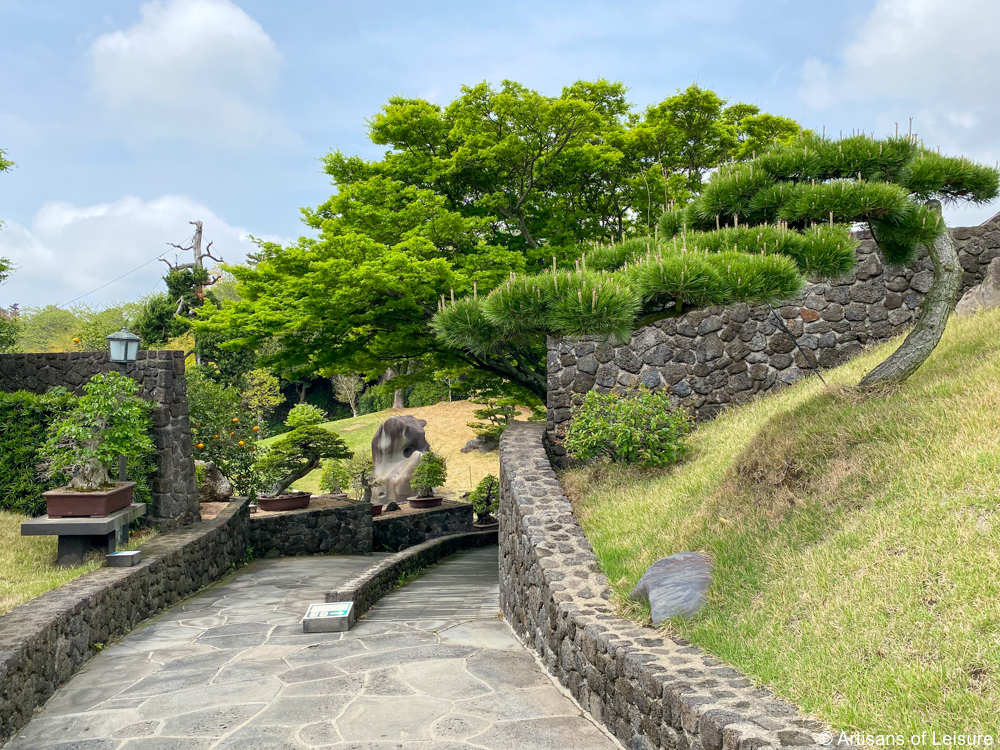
66, 503
486, 526
425, 502
285, 502
377, 509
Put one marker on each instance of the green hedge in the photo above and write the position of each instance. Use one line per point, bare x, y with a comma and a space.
24, 425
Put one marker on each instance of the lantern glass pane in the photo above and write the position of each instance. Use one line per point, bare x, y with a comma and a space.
133, 351
117, 350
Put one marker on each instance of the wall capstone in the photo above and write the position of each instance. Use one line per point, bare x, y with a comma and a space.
651, 691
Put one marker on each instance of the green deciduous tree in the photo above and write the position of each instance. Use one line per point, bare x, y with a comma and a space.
497, 182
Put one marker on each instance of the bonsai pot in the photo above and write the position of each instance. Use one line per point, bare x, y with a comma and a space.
485, 522
292, 501
66, 503
377, 509
425, 502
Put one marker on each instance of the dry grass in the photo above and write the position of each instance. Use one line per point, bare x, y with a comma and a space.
856, 539
27, 563
447, 432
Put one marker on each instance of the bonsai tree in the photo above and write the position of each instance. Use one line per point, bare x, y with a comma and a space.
357, 472
298, 452
486, 499
305, 415
431, 471
109, 421
334, 477
756, 233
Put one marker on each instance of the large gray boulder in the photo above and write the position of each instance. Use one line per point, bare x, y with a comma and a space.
397, 446
985, 296
675, 585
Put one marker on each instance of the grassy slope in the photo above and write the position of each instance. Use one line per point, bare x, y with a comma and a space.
856, 540
447, 432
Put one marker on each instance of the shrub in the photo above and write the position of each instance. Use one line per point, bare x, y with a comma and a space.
427, 393
110, 420
641, 428
305, 415
431, 472
223, 432
25, 419
486, 498
335, 477
375, 399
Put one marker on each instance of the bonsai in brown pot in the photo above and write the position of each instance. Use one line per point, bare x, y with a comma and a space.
108, 422
292, 457
431, 472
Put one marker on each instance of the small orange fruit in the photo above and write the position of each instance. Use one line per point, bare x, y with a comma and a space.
256, 428
242, 443
231, 434
200, 446
76, 341
235, 420
216, 437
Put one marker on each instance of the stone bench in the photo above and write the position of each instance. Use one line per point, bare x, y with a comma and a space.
77, 536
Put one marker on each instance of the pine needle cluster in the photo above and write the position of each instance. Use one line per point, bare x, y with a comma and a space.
758, 230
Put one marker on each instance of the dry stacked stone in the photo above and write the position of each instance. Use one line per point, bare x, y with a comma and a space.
341, 530
160, 375
715, 356
653, 692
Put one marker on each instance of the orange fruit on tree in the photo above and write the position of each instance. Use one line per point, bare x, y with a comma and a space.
236, 419
200, 446
242, 443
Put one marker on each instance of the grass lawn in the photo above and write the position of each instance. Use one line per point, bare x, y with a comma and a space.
27, 563
856, 539
447, 432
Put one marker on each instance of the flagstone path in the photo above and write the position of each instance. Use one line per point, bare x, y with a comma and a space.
432, 667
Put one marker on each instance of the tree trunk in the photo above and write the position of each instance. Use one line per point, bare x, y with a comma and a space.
934, 312
398, 401
302, 392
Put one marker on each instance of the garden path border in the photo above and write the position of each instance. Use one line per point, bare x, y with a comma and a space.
46, 640
651, 691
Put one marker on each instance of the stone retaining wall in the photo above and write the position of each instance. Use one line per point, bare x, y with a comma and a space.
382, 577
715, 356
341, 530
44, 642
650, 691
160, 375
397, 531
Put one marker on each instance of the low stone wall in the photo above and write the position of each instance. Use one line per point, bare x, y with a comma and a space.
160, 375
715, 356
650, 691
382, 577
341, 530
44, 642
398, 530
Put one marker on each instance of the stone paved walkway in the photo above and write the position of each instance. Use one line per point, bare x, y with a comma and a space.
432, 667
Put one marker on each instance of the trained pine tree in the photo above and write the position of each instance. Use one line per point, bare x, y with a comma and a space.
756, 233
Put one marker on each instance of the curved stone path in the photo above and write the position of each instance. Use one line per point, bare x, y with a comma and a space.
432, 667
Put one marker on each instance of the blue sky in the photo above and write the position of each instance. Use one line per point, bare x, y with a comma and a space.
128, 119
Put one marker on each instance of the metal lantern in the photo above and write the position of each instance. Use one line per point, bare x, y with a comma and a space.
124, 346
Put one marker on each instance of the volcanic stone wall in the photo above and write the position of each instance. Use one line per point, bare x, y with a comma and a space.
396, 531
341, 530
652, 691
715, 356
45, 641
160, 375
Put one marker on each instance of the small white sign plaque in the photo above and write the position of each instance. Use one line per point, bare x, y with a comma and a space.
328, 617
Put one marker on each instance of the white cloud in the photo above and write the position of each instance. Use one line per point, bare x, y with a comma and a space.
938, 62
71, 250
198, 70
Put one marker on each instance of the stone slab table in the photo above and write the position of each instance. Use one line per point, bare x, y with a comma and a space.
77, 536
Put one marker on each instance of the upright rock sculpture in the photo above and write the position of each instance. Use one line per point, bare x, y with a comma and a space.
396, 448
215, 488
